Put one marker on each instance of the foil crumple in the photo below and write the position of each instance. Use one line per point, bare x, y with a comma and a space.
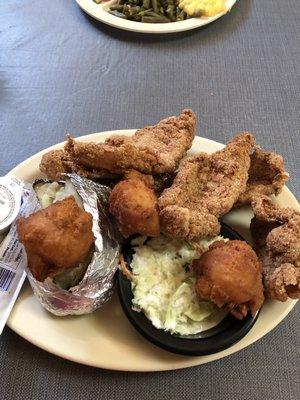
96, 287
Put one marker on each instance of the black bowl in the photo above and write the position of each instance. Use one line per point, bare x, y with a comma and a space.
225, 334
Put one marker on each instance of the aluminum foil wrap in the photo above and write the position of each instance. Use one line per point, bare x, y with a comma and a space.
97, 284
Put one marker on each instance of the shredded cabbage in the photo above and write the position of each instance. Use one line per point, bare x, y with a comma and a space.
164, 286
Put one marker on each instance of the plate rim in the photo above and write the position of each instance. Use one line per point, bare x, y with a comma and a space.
97, 11
190, 362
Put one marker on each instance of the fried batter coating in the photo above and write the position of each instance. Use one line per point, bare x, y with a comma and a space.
134, 205
152, 150
267, 175
230, 275
56, 238
55, 163
276, 232
205, 188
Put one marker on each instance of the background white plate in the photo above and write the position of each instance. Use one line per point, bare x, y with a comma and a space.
99, 12
106, 338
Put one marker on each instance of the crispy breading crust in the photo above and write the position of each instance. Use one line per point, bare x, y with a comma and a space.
267, 175
56, 163
230, 275
205, 188
152, 150
276, 232
134, 205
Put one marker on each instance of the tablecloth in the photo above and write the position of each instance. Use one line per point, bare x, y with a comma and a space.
61, 71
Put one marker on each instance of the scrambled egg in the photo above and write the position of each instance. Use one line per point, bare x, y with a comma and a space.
207, 8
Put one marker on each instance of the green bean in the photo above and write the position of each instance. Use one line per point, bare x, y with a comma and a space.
170, 11
155, 20
116, 7
154, 5
146, 4
134, 10
149, 11
156, 15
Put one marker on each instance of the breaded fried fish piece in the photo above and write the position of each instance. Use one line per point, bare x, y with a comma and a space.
276, 232
230, 275
134, 205
152, 150
205, 188
56, 163
56, 238
267, 176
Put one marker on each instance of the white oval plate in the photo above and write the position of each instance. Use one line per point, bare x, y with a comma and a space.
100, 12
106, 338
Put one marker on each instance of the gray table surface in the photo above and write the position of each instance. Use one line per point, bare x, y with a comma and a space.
62, 71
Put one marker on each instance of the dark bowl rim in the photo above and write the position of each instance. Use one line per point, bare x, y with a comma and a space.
228, 332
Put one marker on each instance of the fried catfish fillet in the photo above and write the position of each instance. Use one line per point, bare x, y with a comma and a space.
134, 205
56, 163
152, 150
205, 188
56, 238
276, 232
230, 275
267, 175
155, 149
